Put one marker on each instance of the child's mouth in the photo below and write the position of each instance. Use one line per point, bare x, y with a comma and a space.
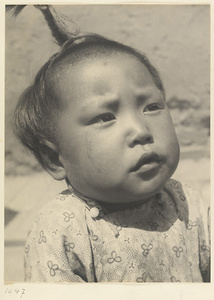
147, 162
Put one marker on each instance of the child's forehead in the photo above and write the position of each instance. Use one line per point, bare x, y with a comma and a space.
108, 76
91, 68
72, 64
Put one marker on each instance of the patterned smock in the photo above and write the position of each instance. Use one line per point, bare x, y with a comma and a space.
163, 240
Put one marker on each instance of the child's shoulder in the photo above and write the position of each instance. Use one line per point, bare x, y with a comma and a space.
184, 193
60, 211
64, 201
183, 190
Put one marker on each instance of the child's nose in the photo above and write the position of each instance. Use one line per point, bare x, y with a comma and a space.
138, 132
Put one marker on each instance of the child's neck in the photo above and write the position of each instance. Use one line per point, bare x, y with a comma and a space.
110, 206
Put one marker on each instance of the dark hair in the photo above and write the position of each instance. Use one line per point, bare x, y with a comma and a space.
38, 106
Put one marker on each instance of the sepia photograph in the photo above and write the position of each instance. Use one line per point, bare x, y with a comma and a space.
107, 143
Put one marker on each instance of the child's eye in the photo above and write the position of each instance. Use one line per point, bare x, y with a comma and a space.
104, 118
153, 107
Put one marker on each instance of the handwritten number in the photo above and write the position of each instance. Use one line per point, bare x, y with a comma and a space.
15, 291
23, 293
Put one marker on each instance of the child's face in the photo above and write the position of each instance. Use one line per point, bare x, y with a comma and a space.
116, 139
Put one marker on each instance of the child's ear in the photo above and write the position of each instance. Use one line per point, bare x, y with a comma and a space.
51, 161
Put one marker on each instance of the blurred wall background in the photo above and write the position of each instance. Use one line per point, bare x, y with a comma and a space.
176, 38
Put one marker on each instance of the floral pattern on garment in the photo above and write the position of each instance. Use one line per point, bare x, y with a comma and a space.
165, 239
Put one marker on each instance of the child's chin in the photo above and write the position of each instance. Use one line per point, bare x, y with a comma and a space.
149, 189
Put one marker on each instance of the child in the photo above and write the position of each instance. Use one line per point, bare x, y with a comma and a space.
96, 116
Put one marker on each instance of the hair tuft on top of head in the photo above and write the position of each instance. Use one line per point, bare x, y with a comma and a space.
62, 27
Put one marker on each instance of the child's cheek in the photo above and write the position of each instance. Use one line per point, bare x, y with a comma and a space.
100, 152
88, 147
